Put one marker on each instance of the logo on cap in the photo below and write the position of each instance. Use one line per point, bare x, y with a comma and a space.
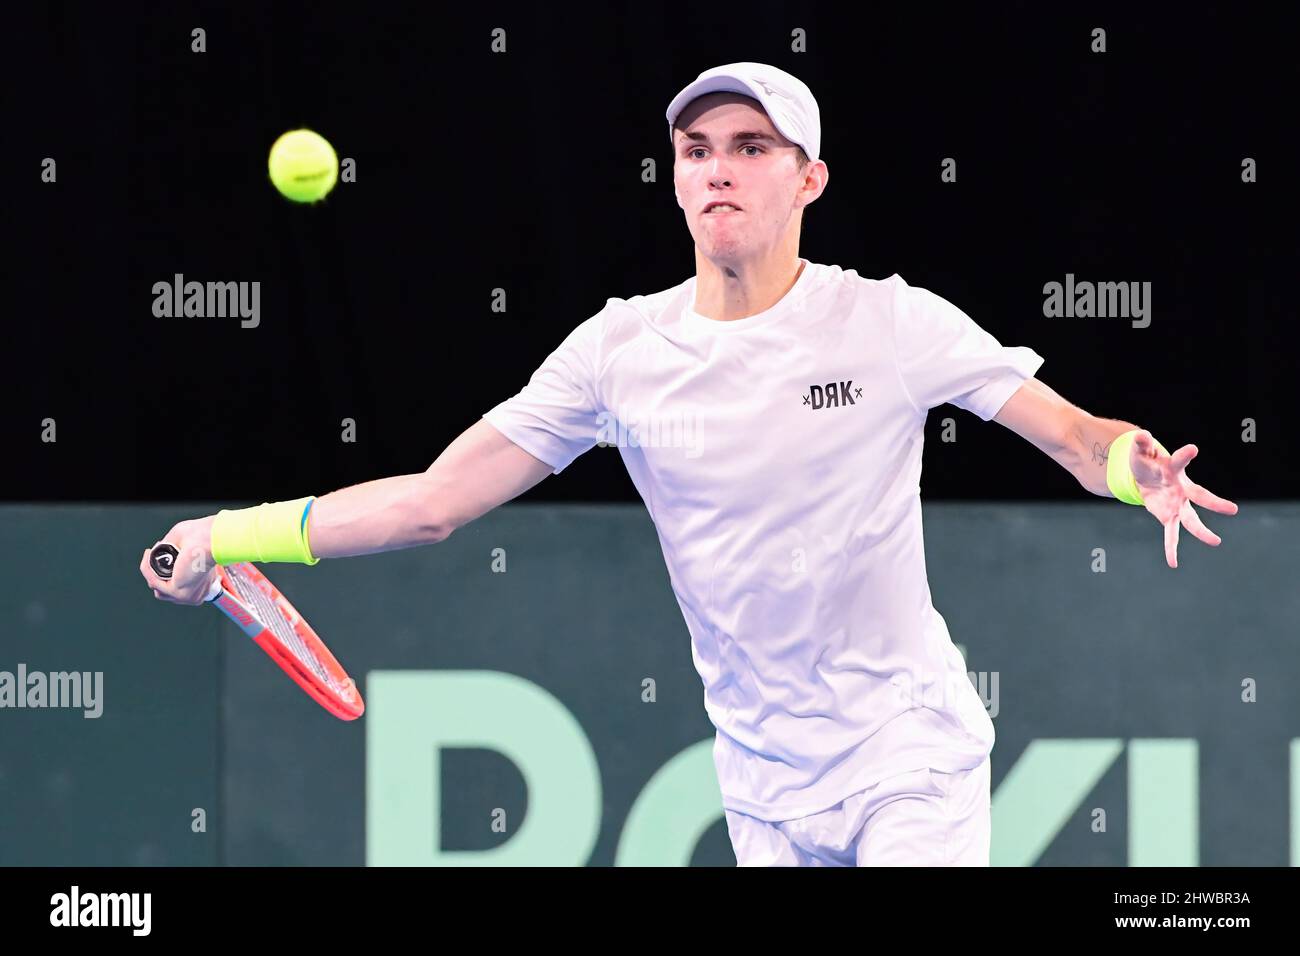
769, 89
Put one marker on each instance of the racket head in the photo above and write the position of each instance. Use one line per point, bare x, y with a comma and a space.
256, 605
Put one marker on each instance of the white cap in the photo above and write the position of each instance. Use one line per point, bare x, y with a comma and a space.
788, 102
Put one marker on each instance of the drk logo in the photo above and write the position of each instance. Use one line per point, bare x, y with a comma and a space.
832, 395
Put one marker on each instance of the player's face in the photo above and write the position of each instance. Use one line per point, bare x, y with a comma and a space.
727, 150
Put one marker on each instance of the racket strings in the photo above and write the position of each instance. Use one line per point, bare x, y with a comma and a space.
271, 617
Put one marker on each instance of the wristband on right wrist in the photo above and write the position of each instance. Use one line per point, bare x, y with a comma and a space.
269, 532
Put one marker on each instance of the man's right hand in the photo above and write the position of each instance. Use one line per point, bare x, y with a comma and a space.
194, 570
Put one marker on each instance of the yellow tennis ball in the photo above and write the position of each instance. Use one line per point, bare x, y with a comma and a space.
303, 165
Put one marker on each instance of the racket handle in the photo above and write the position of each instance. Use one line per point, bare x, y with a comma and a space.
163, 561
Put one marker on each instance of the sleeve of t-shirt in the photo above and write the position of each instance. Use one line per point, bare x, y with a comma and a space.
944, 356
556, 416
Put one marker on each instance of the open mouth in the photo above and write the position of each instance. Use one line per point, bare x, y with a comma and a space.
721, 209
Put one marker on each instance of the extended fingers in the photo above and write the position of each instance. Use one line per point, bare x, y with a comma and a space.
1207, 499
1171, 542
1192, 522
1182, 456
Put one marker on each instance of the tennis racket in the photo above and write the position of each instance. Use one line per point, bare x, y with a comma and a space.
243, 594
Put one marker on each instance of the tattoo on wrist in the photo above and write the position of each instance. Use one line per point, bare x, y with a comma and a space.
1100, 452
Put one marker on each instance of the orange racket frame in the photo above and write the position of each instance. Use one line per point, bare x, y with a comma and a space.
247, 597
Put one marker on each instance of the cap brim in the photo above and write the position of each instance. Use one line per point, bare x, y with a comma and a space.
713, 84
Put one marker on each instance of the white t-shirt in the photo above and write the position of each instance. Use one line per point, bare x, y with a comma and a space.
779, 456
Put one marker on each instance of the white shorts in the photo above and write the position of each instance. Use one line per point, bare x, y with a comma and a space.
919, 818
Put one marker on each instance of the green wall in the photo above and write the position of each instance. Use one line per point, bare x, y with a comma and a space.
506, 716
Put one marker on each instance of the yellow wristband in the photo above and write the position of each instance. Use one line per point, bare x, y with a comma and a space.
269, 532
1119, 476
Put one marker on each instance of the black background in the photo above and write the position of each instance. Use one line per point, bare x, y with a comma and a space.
522, 171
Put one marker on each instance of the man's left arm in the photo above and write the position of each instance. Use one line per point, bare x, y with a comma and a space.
1081, 444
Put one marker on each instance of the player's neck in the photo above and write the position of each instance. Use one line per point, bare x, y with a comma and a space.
730, 291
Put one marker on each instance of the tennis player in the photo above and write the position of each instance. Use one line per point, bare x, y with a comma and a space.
770, 412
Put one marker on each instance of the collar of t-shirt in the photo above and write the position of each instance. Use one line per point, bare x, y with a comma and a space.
775, 313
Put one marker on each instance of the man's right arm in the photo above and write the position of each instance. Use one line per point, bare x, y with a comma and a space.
478, 471
558, 409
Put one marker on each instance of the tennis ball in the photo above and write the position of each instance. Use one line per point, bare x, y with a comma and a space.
303, 165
